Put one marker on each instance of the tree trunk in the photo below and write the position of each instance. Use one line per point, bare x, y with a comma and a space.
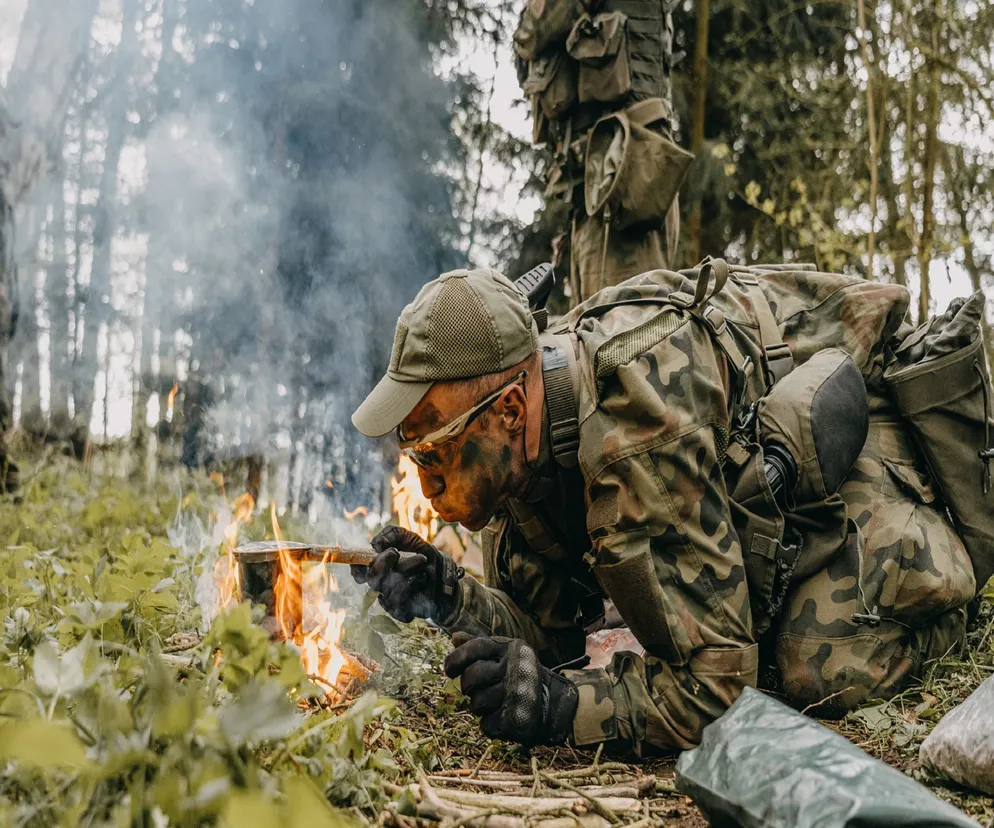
929, 162
52, 41
96, 307
25, 345
869, 61
898, 242
158, 264
298, 420
697, 132
57, 297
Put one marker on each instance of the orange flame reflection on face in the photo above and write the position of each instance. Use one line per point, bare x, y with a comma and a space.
305, 615
414, 510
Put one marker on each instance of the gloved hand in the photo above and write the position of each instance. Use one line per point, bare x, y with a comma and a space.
518, 699
423, 585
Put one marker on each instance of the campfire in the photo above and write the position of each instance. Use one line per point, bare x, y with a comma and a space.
297, 595
298, 589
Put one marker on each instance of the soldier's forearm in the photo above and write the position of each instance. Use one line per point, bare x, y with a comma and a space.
481, 610
618, 707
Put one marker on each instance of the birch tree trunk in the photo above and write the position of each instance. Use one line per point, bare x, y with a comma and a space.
57, 298
159, 259
97, 304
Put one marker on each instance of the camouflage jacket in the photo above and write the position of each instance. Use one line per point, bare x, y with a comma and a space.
646, 518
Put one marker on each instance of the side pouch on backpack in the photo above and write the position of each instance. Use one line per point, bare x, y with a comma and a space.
551, 82
632, 173
600, 45
938, 378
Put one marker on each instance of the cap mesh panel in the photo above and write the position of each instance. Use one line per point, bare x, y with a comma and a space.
462, 338
398, 345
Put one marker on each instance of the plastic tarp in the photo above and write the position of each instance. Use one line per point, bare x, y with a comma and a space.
961, 747
764, 765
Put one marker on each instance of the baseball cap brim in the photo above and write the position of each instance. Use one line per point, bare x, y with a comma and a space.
387, 405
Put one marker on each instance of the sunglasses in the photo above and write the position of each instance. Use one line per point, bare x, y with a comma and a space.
434, 450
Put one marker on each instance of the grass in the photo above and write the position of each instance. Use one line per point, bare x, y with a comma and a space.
100, 576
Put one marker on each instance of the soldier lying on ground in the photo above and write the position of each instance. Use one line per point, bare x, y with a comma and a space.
844, 598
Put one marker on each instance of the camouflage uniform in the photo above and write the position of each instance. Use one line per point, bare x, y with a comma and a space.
646, 520
573, 76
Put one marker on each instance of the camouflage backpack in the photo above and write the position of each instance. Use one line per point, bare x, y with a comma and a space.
766, 320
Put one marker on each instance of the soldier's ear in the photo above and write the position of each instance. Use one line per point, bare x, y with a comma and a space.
512, 409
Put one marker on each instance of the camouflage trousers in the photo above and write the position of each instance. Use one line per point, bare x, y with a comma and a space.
891, 599
602, 256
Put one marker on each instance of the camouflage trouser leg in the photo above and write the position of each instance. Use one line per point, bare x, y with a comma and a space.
902, 563
600, 260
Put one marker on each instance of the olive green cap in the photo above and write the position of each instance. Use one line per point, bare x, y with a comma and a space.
464, 324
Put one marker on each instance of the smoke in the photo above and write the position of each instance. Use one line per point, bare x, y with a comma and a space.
294, 167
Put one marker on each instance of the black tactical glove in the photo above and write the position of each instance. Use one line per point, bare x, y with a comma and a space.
422, 585
518, 699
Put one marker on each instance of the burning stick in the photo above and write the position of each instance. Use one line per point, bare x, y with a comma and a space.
266, 551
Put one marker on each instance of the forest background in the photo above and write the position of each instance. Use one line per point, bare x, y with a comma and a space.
237, 197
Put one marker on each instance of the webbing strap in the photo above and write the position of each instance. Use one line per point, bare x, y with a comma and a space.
558, 367
778, 361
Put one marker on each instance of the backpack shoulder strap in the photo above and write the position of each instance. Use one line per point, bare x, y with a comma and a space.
778, 361
559, 373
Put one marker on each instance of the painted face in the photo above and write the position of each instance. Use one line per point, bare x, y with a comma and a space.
468, 477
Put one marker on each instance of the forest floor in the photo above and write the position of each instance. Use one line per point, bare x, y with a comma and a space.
118, 707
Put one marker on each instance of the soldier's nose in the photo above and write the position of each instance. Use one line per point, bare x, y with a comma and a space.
432, 485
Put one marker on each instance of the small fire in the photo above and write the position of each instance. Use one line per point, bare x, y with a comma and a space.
358, 511
305, 615
171, 401
226, 575
413, 509
329, 484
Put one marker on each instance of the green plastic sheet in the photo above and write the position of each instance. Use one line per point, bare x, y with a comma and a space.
764, 765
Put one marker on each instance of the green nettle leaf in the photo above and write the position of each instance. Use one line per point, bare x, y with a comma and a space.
94, 614
262, 712
41, 744
63, 676
246, 808
384, 624
374, 646
306, 806
368, 599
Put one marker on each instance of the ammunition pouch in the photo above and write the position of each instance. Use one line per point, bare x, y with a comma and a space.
939, 380
551, 84
599, 44
632, 171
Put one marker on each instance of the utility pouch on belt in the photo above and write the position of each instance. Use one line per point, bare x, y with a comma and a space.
939, 380
544, 23
632, 173
600, 45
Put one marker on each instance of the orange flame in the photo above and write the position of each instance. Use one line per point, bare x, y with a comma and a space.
358, 511
413, 509
226, 574
171, 400
328, 484
305, 615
